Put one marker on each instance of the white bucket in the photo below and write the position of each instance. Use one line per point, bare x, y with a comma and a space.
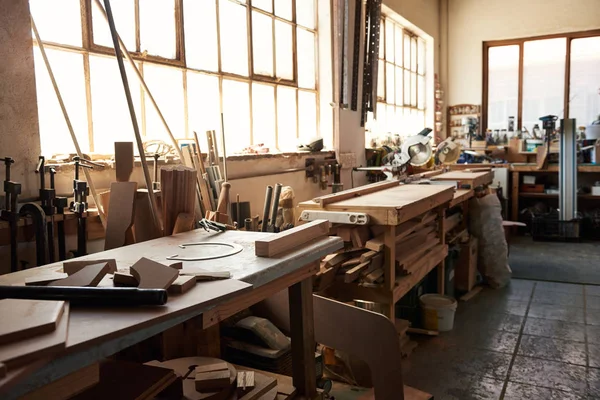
437, 312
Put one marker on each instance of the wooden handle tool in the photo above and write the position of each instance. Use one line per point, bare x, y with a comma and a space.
223, 198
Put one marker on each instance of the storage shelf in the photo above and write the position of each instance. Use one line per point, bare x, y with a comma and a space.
519, 167
550, 196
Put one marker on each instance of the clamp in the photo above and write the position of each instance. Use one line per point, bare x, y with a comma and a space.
47, 198
12, 190
79, 204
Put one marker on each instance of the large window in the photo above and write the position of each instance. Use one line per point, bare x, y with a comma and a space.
401, 82
252, 60
530, 78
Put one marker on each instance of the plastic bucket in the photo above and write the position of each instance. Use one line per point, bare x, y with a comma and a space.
438, 312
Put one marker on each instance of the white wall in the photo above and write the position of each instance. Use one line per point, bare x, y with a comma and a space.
471, 22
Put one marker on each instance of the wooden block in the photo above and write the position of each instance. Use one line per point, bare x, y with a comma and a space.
90, 275
353, 262
153, 275
212, 381
67, 386
183, 223
71, 267
324, 278
182, 284
352, 274
119, 221
262, 385
203, 275
216, 366
123, 160
337, 259
367, 256
375, 263
374, 276
124, 279
344, 232
423, 332
291, 239
355, 192
22, 319
360, 236
245, 382
24, 351
44, 278
177, 265
401, 326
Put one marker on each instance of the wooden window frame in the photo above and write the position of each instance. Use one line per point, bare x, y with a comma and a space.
569, 36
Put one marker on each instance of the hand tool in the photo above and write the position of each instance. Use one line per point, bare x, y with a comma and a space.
88, 296
38, 216
47, 197
275, 207
215, 226
12, 190
79, 204
266, 209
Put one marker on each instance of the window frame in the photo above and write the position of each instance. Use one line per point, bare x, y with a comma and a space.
569, 36
88, 47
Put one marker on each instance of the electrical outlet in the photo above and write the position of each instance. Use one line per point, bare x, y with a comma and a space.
348, 160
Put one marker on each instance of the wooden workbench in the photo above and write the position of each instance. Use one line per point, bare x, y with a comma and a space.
97, 333
391, 207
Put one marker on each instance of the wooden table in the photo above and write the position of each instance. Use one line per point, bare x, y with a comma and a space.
97, 333
391, 207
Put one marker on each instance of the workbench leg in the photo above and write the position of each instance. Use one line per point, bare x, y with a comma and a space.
514, 210
390, 267
441, 269
303, 338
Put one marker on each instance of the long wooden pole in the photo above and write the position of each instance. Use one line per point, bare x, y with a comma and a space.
88, 177
125, 52
136, 130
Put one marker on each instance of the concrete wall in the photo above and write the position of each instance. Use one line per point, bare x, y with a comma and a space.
471, 22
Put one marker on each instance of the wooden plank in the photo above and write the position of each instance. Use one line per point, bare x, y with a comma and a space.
20, 353
123, 160
374, 276
375, 263
203, 275
336, 260
90, 275
463, 177
419, 331
368, 256
401, 326
212, 381
119, 221
22, 319
352, 274
324, 278
402, 231
452, 222
67, 386
471, 293
153, 275
359, 236
323, 201
213, 366
71, 267
405, 283
353, 262
44, 278
182, 284
415, 253
291, 238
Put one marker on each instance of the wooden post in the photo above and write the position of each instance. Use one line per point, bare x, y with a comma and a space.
515, 197
303, 338
389, 239
441, 270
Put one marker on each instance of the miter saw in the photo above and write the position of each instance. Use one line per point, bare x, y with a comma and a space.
447, 152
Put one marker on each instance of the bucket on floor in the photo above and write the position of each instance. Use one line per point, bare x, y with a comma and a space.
438, 312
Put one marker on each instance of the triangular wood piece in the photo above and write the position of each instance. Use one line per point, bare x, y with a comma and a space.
90, 275
124, 279
71, 267
153, 275
44, 278
182, 284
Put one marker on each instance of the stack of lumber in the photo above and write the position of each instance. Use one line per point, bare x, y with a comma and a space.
178, 185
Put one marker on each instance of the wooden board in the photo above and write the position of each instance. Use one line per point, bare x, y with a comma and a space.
124, 279
24, 351
405, 283
323, 201
416, 252
423, 332
368, 256
212, 381
45, 278
292, 238
178, 185
204, 275
215, 366
67, 386
90, 275
402, 231
22, 319
153, 275
463, 177
352, 274
119, 221
182, 284
123, 160
461, 195
71, 267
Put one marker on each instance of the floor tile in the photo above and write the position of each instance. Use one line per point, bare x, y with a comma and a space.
593, 290
553, 349
563, 299
592, 318
594, 353
594, 383
486, 339
559, 287
593, 334
483, 388
550, 374
499, 304
491, 320
519, 391
592, 302
482, 362
555, 329
551, 311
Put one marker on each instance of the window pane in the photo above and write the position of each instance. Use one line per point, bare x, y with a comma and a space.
585, 80
305, 13
124, 15
398, 42
390, 86
306, 58
166, 86
284, 50
203, 105
421, 92
157, 27
406, 51
543, 79
57, 24
398, 86
307, 114
236, 113
391, 125
389, 41
110, 114
381, 80
68, 71
421, 56
200, 24
382, 39
413, 89
262, 43
286, 119
263, 111
283, 9
266, 5
413, 54
503, 85
234, 34
406, 87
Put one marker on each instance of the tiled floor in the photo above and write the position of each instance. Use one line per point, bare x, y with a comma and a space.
530, 340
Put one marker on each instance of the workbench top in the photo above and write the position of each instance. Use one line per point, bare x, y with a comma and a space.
474, 178
391, 206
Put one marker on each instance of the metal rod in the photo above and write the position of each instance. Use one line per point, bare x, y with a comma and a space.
223, 143
266, 209
88, 177
136, 130
275, 204
142, 82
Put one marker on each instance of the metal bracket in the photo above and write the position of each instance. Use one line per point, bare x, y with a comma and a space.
335, 216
